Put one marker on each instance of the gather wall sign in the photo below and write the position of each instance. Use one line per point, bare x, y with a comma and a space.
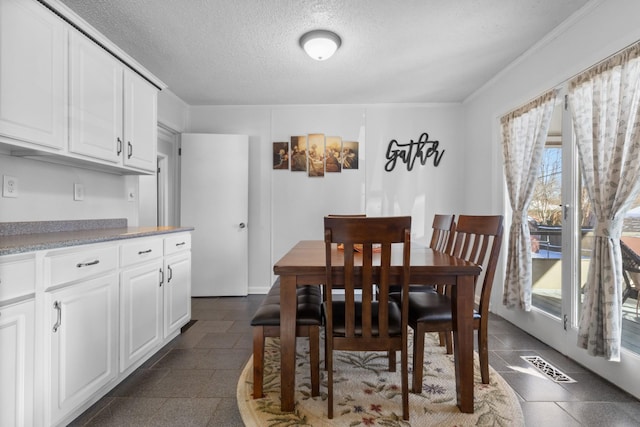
407, 153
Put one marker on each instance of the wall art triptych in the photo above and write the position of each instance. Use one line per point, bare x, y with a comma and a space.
315, 154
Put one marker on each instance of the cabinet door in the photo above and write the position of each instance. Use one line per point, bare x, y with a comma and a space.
140, 312
17, 336
95, 100
177, 292
83, 331
33, 88
140, 122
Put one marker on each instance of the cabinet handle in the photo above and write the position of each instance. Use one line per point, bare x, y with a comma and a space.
87, 264
161, 278
130, 149
181, 244
170, 274
148, 251
57, 306
119, 146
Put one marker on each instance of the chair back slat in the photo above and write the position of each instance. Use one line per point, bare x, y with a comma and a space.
367, 278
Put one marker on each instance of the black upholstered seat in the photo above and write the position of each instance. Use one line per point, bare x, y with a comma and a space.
339, 327
308, 312
431, 307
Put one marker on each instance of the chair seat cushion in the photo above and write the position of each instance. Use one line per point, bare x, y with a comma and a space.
339, 327
430, 307
308, 311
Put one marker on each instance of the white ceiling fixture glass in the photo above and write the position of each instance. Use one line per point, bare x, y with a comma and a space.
320, 44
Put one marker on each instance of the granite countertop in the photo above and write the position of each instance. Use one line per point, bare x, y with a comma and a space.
18, 238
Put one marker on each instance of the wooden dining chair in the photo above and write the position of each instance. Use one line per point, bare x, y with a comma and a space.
477, 239
442, 234
367, 323
443, 231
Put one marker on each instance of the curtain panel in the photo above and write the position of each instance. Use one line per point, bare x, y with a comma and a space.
524, 133
605, 106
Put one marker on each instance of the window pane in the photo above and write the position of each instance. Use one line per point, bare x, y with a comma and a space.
631, 273
545, 224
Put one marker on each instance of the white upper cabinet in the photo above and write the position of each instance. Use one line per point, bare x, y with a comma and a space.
95, 102
113, 111
33, 91
65, 98
140, 122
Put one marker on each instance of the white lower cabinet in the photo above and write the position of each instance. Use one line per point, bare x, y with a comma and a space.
140, 311
177, 292
75, 321
17, 338
82, 344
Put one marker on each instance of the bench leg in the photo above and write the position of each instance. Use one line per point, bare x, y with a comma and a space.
258, 361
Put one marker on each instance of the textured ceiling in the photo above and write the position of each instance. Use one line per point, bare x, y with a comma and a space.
245, 52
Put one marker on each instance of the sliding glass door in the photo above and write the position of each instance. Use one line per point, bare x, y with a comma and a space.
558, 218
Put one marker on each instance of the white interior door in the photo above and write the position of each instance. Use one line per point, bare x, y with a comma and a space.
215, 200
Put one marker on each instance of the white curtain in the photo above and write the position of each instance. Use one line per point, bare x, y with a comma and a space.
605, 104
524, 133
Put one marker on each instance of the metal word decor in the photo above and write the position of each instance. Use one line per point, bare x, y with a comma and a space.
408, 153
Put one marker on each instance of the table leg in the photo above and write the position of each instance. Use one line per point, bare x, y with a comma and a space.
288, 306
462, 307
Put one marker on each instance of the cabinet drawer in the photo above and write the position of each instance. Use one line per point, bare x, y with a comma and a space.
69, 266
177, 243
17, 276
140, 250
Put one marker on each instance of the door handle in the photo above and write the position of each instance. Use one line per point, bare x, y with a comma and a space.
242, 225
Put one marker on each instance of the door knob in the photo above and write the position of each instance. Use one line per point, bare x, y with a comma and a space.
242, 225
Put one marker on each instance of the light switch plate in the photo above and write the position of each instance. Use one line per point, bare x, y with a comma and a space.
9, 186
78, 192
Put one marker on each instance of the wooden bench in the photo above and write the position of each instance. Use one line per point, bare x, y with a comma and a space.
266, 323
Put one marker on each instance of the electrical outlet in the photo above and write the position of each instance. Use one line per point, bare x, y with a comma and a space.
9, 186
78, 192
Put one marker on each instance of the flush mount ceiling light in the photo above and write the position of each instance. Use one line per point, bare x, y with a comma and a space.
320, 44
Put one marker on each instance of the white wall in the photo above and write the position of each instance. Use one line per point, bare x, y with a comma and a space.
173, 112
286, 206
45, 192
426, 189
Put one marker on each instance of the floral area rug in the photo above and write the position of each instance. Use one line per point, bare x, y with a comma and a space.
366, 394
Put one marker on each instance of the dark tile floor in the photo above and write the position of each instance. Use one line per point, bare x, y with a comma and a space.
192, 381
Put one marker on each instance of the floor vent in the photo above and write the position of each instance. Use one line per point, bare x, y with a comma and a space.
548, 369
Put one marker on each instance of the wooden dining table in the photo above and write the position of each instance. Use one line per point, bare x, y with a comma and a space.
304, 264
